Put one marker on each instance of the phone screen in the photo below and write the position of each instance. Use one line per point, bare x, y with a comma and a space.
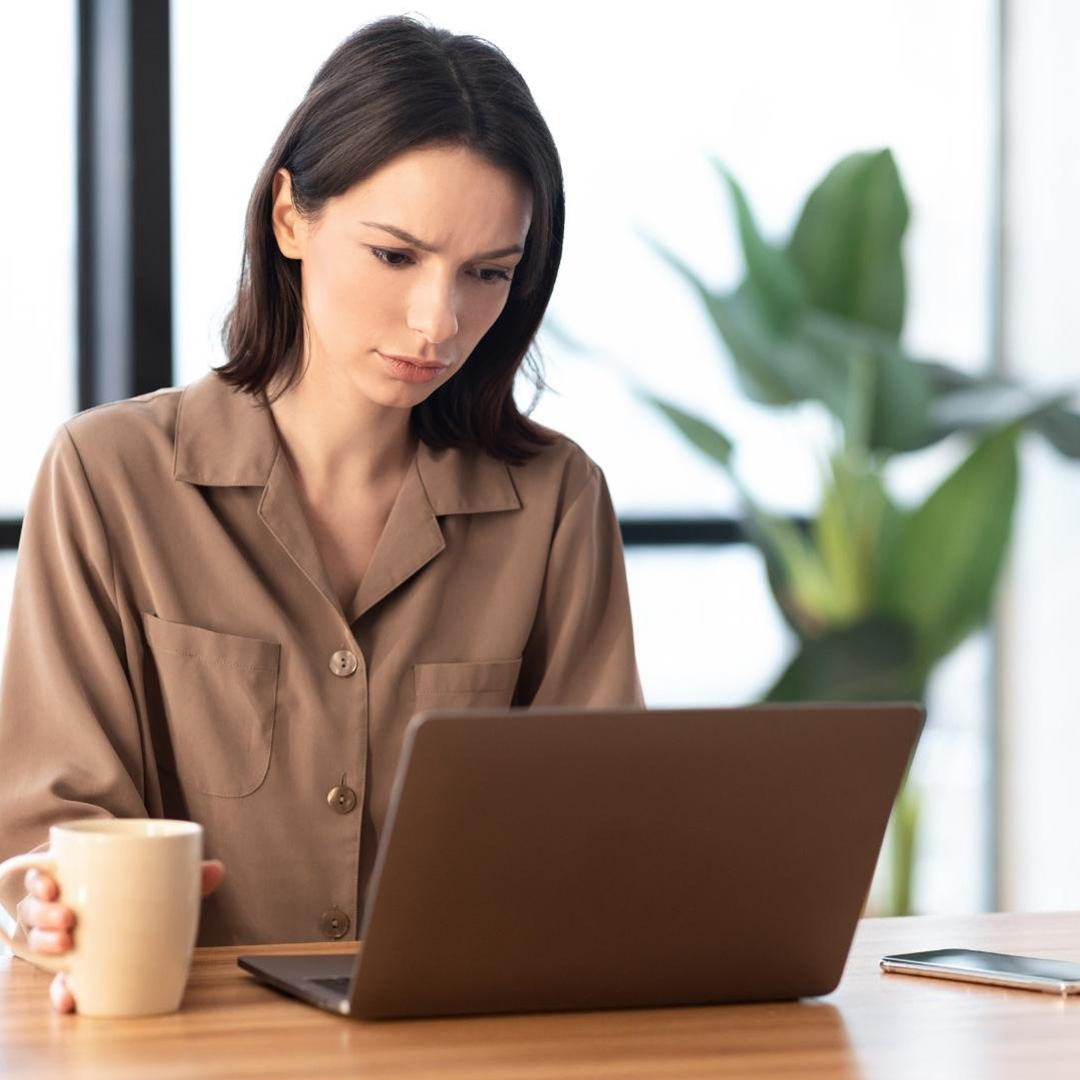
995, 963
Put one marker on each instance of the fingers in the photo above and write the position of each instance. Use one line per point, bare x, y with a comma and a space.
49, 924
60, 995
213, 870
40, 914
50, 941
48, 916
42, 885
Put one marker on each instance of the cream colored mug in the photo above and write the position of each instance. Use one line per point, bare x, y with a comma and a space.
135, 885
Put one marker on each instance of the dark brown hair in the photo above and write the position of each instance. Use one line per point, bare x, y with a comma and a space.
396, 85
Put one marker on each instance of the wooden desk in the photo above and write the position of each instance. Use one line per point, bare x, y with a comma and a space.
874, 1025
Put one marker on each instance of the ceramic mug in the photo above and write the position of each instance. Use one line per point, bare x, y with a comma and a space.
135, 885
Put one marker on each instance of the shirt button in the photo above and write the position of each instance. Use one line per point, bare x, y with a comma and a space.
334, 923
341, 798
343, 663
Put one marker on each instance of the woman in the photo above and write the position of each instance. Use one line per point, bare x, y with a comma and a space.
231, 598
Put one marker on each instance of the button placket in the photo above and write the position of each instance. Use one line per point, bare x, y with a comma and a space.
342, 799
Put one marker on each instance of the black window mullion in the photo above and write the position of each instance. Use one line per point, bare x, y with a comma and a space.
9, 534
124, 200
124, 205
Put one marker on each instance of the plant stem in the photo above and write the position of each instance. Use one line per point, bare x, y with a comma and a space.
902, 848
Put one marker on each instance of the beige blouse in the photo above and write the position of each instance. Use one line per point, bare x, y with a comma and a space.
176, 649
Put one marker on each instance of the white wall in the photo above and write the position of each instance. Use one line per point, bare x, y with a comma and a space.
1041, 624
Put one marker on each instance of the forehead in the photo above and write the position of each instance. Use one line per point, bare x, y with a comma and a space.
444, 195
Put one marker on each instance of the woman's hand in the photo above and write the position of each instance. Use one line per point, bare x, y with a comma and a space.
49, 924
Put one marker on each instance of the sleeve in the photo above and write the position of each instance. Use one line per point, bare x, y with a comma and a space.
581, 649
69, 731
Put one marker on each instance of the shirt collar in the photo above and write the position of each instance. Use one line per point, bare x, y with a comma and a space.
226, 438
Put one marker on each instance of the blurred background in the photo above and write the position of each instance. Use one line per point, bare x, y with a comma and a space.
133, 132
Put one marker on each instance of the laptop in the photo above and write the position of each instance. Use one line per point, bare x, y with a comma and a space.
539, 859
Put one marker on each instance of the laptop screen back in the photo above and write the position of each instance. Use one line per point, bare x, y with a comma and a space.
560, 858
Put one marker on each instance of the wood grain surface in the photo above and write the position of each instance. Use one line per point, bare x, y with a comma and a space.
874, 1025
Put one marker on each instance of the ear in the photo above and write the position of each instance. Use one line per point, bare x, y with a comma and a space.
287, 225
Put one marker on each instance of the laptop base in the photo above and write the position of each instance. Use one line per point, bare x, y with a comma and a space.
302, 977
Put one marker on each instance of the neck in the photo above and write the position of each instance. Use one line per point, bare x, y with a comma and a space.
337, 440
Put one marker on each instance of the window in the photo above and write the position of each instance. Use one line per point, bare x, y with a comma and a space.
37, 273
745, 88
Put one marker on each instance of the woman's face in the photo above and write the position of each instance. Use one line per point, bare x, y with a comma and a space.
414, 261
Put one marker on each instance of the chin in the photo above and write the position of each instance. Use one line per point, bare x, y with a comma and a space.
401, 395
395, 391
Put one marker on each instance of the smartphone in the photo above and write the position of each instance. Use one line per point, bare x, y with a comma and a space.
999, 969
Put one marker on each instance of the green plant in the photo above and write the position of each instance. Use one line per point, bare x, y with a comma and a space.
876, 593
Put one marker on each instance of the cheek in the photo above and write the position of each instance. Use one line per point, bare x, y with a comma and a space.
348, 292
485, 309
481, 316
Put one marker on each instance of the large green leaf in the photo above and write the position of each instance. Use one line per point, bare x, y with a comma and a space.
779, 537
987, 407
797, 576
772, 280
796, 572
888, 394
903, 832
872, 660
944, 378
847, 534
847, 243
786, 352
701, 434
801, 579
764, 374
1061, 428
977, 403
949, 552
775, 370
777, 577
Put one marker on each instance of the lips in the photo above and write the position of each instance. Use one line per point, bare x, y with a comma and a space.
416, 361
407, 371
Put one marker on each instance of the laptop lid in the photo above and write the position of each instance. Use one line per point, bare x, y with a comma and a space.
549, 859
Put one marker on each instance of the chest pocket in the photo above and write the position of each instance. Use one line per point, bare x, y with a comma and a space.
486, 684
218, 696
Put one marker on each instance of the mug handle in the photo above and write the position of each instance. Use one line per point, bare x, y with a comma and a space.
39, 861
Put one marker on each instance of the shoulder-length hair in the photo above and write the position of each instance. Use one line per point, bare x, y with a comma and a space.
395, 85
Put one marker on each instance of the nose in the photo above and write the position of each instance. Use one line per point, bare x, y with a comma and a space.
433, 309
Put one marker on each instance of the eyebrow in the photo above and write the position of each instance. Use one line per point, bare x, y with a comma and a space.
408, 237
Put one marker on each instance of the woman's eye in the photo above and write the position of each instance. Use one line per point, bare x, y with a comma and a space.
397, 260
500, 275
385, 256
